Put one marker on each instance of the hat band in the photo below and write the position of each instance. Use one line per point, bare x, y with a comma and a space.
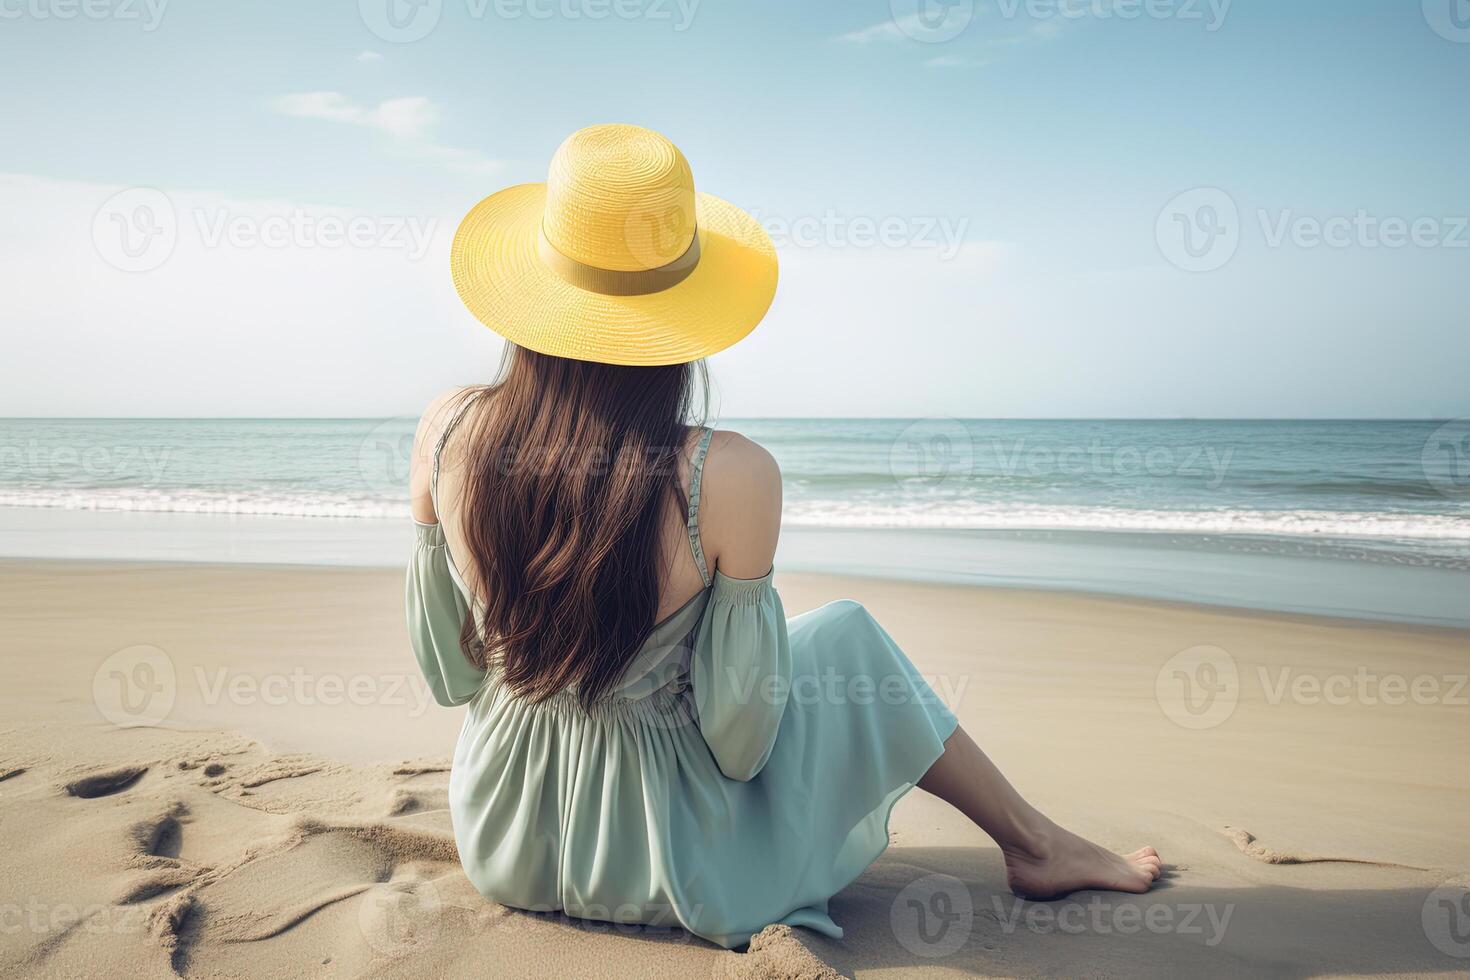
616, 282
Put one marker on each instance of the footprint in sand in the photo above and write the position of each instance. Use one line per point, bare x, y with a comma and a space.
105, 783
406, 801
156, 847
161, 836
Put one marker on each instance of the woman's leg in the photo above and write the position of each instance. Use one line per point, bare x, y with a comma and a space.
1042, 859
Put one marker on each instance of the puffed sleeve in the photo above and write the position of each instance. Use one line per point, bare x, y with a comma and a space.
436, 611
741, 673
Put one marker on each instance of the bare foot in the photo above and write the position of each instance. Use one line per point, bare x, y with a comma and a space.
1057, 862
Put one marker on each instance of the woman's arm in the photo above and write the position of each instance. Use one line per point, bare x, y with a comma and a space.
421, 466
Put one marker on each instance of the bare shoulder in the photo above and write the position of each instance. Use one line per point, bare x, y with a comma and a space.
740, 505
432, 423
743, 463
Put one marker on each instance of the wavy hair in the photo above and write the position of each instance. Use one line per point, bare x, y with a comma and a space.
569, 470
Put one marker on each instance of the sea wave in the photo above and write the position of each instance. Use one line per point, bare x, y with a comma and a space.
948, 514
958, 515
211, 502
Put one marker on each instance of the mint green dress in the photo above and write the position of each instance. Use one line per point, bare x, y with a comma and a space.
741, 773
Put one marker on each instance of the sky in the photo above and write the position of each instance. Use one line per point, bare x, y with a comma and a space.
998, 208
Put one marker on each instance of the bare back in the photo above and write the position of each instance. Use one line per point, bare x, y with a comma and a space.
738, 516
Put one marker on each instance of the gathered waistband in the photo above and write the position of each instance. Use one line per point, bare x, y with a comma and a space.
660, 693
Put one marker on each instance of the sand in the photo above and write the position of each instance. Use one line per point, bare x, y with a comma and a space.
273, 802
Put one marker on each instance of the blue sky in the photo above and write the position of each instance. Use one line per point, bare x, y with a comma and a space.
1047, 140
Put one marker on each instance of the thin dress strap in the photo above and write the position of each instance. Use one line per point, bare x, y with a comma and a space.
439, 450
695, 475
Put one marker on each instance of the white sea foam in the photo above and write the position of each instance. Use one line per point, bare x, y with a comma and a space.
820, 513
960, 515
209, 502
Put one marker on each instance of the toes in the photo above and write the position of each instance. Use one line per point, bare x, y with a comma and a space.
1148, 869
1136, 883
1144, 851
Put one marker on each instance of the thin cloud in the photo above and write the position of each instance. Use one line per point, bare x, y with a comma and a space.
408, 120
1042, 30
953, 61
898, 29
369, 56
887, 30
955, 20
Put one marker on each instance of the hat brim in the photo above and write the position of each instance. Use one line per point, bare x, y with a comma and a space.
501, 279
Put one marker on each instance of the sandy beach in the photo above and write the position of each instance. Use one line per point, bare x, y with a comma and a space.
235, 771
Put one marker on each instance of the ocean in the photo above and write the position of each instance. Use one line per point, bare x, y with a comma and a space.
1367, 518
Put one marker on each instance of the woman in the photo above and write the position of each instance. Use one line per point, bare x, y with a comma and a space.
648, 738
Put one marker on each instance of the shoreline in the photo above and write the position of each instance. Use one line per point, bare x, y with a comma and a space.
807, 577
1300, 577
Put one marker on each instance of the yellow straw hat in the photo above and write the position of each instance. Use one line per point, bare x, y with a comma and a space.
616, 258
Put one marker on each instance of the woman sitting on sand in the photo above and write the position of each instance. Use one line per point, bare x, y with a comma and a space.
648, 738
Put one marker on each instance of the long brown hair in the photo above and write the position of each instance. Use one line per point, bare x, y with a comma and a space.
569, 470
